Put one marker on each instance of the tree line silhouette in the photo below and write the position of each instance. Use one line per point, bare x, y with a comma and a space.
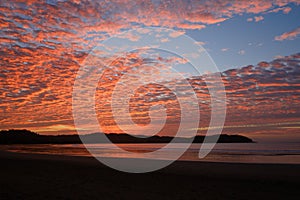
29, 137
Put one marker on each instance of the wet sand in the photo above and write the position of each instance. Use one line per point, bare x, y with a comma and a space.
31, 176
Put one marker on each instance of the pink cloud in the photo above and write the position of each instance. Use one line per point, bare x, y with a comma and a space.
289, 35
256, 19
285, 10
191, 26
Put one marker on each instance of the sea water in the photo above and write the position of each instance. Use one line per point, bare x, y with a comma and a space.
288, 153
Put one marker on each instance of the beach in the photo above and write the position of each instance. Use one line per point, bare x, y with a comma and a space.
32, 176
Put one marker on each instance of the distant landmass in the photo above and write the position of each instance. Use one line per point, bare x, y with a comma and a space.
29, 137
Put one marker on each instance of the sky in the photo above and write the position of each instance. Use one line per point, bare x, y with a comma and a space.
255, 44
251, 38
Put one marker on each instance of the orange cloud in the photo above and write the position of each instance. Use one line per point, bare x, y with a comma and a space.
259, 18
43, 44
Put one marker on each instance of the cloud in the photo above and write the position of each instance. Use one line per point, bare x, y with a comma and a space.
225, 49
285, 10
278, 57
289, 35
256, 19
176, 34
242, 52
56, 128
43, 44
191, 26
200, 43
259, 18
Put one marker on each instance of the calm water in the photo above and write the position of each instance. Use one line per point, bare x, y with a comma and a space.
242, 153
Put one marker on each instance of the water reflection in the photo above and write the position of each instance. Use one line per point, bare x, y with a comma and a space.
242, 153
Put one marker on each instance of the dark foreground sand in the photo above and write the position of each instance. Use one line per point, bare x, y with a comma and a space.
26, 176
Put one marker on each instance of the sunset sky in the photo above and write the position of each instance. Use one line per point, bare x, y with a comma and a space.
255, 44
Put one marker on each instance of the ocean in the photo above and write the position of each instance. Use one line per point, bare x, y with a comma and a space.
283, 153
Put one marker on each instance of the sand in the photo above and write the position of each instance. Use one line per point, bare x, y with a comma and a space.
30, 176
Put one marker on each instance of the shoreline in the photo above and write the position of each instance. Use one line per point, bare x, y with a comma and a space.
229, 156
183, 167
36, 176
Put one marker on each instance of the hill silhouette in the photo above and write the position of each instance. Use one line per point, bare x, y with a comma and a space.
29, 137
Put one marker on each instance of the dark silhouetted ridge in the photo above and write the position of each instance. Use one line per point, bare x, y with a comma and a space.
28, 137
